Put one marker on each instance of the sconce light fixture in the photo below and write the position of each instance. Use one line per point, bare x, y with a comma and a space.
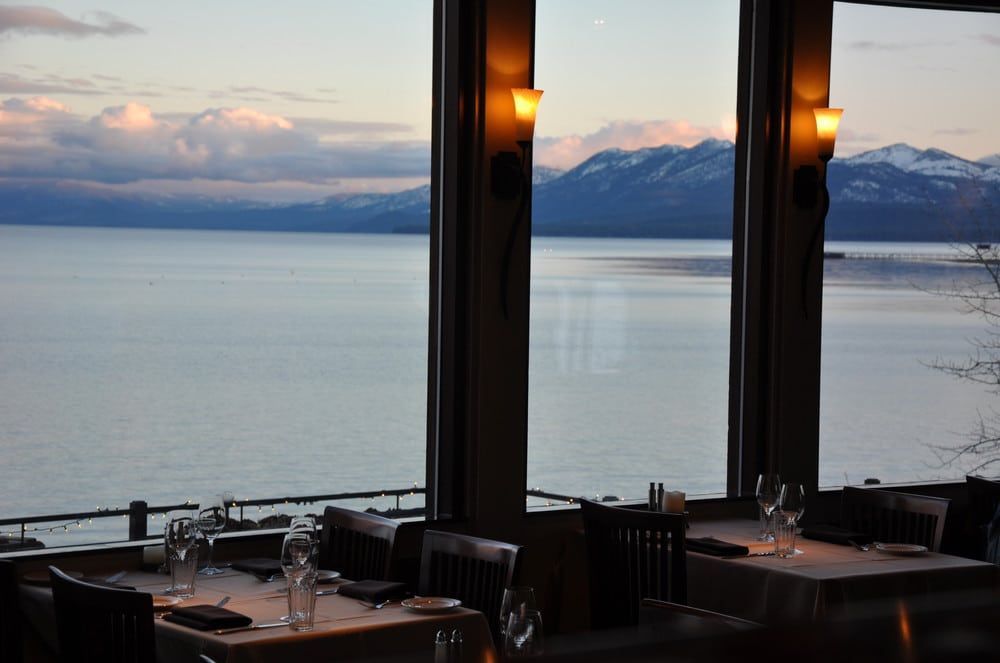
509, 176
808, 184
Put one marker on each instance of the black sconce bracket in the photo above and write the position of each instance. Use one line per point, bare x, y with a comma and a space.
505, 175
805, 186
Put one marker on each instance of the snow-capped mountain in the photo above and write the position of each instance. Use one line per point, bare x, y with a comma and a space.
896, 192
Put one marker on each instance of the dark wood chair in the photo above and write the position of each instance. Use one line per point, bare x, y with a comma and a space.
101, 623
475, 571
684, 621
892, 517
984, 517
357, 544
632, 555
11, 625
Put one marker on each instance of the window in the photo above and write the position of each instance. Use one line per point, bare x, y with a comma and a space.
912, 228
214, 256
631, 248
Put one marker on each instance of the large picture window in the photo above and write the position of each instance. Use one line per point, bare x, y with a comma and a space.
908, 297
214, 256
631, 249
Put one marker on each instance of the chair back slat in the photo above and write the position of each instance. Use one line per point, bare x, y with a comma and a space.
10, 612
632, 555
475, 571
892, 517
101, 623
358, 544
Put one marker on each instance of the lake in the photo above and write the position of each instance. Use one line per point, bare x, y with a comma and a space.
163, 365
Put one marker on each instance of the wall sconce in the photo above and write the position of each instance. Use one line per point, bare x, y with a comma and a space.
509, 177
808, 185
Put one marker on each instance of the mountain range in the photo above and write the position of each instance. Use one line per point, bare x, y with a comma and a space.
897, 193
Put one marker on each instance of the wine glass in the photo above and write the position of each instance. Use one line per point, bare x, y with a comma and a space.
768, 491
181, 534
298, 553
791, 505
303, 525
524, 633
515, 599
211, 520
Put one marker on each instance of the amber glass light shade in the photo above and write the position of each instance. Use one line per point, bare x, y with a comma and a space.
827, 120
525, 105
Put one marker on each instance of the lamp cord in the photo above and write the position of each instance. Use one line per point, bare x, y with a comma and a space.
817, 233
508, 253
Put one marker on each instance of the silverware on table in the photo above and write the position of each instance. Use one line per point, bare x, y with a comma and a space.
115, 577
862, 548
769, 553
251, 627
223, 601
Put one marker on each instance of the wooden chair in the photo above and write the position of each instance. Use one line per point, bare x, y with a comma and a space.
632, 555
101, 623
679, 620
984, 517
892, 517
10, 613
475, 571
357, 544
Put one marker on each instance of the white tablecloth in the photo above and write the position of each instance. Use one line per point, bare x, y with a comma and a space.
345, 629
825, 580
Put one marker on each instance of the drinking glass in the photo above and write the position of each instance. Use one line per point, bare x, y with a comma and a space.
298, 555
791, 505
180, 535
515, 599
524, 633
211, 520
302, 601
304, 525
768, 490
183, 570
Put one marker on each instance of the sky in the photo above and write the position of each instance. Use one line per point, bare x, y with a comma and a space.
304, 99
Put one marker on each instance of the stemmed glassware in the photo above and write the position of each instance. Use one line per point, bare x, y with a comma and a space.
523, 634
791, 505
298, 554
515, 599
768, 491
211, 520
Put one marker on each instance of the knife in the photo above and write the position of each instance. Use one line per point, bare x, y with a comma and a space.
112, 579
753, 554
251, 627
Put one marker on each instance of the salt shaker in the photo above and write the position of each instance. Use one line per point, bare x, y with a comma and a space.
441, 646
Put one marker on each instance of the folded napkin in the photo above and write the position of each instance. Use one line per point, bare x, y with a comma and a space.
259, 566
373, 591
834, 534
207, 617
711, 546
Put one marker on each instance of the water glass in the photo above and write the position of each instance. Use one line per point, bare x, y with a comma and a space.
784, 537
302, 601
183, 571
524, 634
515, 599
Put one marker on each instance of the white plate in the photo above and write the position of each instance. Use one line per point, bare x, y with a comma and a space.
326, 576
161, 603
900, 548
430, 604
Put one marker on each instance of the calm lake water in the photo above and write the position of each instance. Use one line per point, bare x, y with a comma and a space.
162, 365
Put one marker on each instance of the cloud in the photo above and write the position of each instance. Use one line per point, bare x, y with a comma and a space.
568, 151
992, 40
957, 131
260, 94
868, 45
20, 112
132, 143
20, 19
14, 84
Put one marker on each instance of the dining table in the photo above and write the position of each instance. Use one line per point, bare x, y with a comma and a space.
823, 580
344, 628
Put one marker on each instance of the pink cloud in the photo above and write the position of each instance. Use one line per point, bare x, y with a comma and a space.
240, 118
29, 111
133, 116
567, 151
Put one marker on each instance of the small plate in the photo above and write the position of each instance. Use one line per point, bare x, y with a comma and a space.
323, 577
161, 603
42, 577
430, 604
900, 548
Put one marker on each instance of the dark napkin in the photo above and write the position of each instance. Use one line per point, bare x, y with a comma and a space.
259, 566
711, 546
834, 534
373, 591
207, 617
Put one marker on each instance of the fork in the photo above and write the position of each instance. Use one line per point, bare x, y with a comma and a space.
862, 548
